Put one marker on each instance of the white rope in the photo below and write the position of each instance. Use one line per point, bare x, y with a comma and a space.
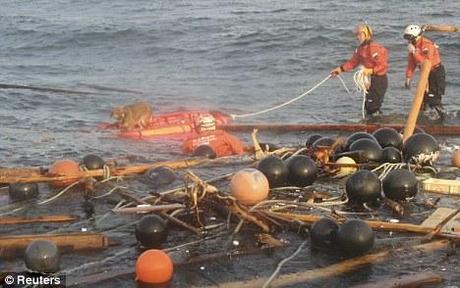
278, 268
343, 84
283, 104
362, 82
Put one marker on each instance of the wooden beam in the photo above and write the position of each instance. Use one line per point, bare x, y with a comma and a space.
441, 28
377, 225
445, 130
15, 245
8, 175
36, 219
332, 270
418, 99
406, 281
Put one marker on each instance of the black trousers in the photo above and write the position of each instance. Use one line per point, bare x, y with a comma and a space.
436, 87
374, 97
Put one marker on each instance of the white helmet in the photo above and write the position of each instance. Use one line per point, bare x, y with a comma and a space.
412, 32
206, 122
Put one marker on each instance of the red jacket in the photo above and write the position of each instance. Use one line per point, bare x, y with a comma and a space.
220, 141
425, 49
370, 55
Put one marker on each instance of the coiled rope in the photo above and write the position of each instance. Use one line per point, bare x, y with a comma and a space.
283, 104
362, 82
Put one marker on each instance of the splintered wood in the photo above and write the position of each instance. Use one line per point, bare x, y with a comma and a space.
452, 226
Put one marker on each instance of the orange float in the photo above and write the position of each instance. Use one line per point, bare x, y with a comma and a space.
456, 159
154, 267
249, 186
61, 168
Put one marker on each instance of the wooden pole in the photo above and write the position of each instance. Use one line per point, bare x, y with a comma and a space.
377, 225
441, 28
407, 281
149, 208
14, 245
332, 270
36, 219
418, 99
447, 130
8, 175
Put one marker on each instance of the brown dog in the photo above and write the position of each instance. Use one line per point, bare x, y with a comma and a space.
132, 116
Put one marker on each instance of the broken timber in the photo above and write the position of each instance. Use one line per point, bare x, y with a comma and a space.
453, 130
14, 175
36, 219
11, 246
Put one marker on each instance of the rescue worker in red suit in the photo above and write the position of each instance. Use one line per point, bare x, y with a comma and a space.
420, 49
222, 143
374, 58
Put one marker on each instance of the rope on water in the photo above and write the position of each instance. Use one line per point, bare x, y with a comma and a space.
278, 268
362, 82
283, 104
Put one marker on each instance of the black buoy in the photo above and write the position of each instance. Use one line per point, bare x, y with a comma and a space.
388, 137
363, 187
151, 231
275, 170
371, 149
356, 136
93, 162
301, 170
205, 151
42, 256
160, 176
400, 184
391, 155
23, 191
420, 146
311, 139
355, 237
323, 232
323, 141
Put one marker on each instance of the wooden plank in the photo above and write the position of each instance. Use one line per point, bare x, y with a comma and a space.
14, 245
441, 186
406, 281
6, 175
36, 219
441, 28
333, 270
447, 130
377, 225
445, 220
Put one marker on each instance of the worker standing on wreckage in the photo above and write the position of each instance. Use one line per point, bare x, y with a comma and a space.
420, 49
374, 59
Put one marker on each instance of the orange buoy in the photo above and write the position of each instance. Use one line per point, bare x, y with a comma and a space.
63, 167
249, 186
154, 267
456, 159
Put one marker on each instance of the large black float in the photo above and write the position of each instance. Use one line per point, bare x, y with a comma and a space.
400, 184
302, 170
363, 187
275, 169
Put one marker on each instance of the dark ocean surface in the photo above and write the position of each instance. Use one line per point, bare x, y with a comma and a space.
232, 56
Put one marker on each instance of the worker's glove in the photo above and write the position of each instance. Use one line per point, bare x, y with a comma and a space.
407, 83
336, 71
